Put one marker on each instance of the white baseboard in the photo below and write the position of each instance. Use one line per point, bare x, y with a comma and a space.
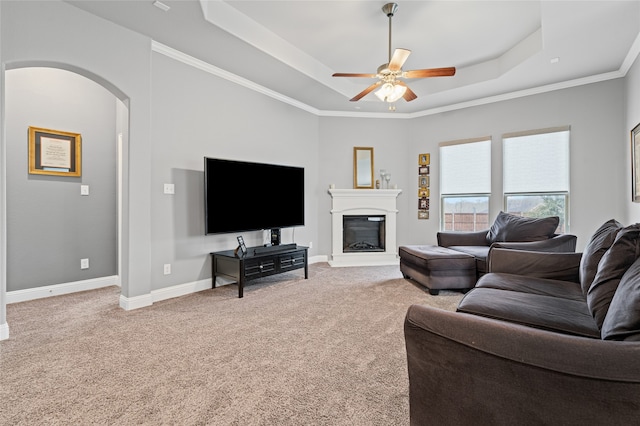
58, 289
126, 303
4, 331
135, 302
180, 290
318, 259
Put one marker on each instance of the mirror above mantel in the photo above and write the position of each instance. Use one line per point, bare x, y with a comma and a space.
363, 168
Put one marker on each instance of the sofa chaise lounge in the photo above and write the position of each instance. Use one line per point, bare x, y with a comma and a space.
461, 257
543, 338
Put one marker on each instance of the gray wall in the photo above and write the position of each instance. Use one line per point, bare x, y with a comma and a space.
196, 114
51, 226
179, 114
632, 119
599, 153
119, 60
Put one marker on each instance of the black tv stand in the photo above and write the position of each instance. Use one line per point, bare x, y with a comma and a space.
257, 263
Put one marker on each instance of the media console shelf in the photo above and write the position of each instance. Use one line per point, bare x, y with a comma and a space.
258, 262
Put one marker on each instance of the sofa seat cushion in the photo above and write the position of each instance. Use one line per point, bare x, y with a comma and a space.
508, 227
557, 314
479, 252
532, 285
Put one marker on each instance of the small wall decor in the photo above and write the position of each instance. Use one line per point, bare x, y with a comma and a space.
635, 164
423, 185
54, 152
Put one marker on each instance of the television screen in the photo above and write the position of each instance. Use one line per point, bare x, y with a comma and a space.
244, 196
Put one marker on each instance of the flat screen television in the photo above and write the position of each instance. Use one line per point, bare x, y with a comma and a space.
245, 196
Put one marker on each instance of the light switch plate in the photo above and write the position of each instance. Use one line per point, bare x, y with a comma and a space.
169, 188
84, 189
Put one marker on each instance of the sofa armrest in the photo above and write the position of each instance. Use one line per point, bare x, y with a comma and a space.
468, 370
557, 266
557, 243
450, 238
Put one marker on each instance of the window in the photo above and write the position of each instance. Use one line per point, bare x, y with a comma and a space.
465, 184
536, 174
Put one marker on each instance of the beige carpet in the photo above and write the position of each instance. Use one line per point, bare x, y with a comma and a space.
324, 351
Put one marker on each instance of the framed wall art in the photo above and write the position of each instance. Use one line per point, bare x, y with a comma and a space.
423, 185
635, 164
54, 152
424, 159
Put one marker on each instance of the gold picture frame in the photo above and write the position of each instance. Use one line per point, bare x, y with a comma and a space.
635, 164
424, 159
423, 181
363, 168
54, 152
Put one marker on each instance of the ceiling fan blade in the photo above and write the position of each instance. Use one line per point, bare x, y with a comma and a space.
346, 74
409, 94
398, 59
432, 72
365, 92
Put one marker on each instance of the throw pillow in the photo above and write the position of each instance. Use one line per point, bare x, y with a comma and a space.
623, 319
614, 263
511, 228
595, 249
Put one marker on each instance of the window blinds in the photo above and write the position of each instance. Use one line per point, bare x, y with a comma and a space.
465, 167
536, 162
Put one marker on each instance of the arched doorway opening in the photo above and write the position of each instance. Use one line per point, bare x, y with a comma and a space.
47, 214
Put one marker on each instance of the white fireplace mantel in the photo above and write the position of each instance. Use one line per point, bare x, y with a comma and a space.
346, 202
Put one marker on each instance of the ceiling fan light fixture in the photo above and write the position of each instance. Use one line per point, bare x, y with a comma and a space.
390, 92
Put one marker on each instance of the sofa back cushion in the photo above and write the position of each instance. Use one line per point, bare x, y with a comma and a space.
511, 228
614, 263
599, 243
623, 319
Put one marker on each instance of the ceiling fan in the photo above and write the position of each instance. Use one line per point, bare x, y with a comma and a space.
388, 75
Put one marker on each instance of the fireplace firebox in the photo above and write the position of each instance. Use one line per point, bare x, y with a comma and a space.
363, 233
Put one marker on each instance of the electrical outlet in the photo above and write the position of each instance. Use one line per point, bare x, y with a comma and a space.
84, 263
167, 268
169, 188
310, 244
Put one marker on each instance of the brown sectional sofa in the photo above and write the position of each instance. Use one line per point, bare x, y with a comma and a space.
543, 338
509, 231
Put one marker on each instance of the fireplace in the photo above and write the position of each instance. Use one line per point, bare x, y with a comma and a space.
363, 227
363, 233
